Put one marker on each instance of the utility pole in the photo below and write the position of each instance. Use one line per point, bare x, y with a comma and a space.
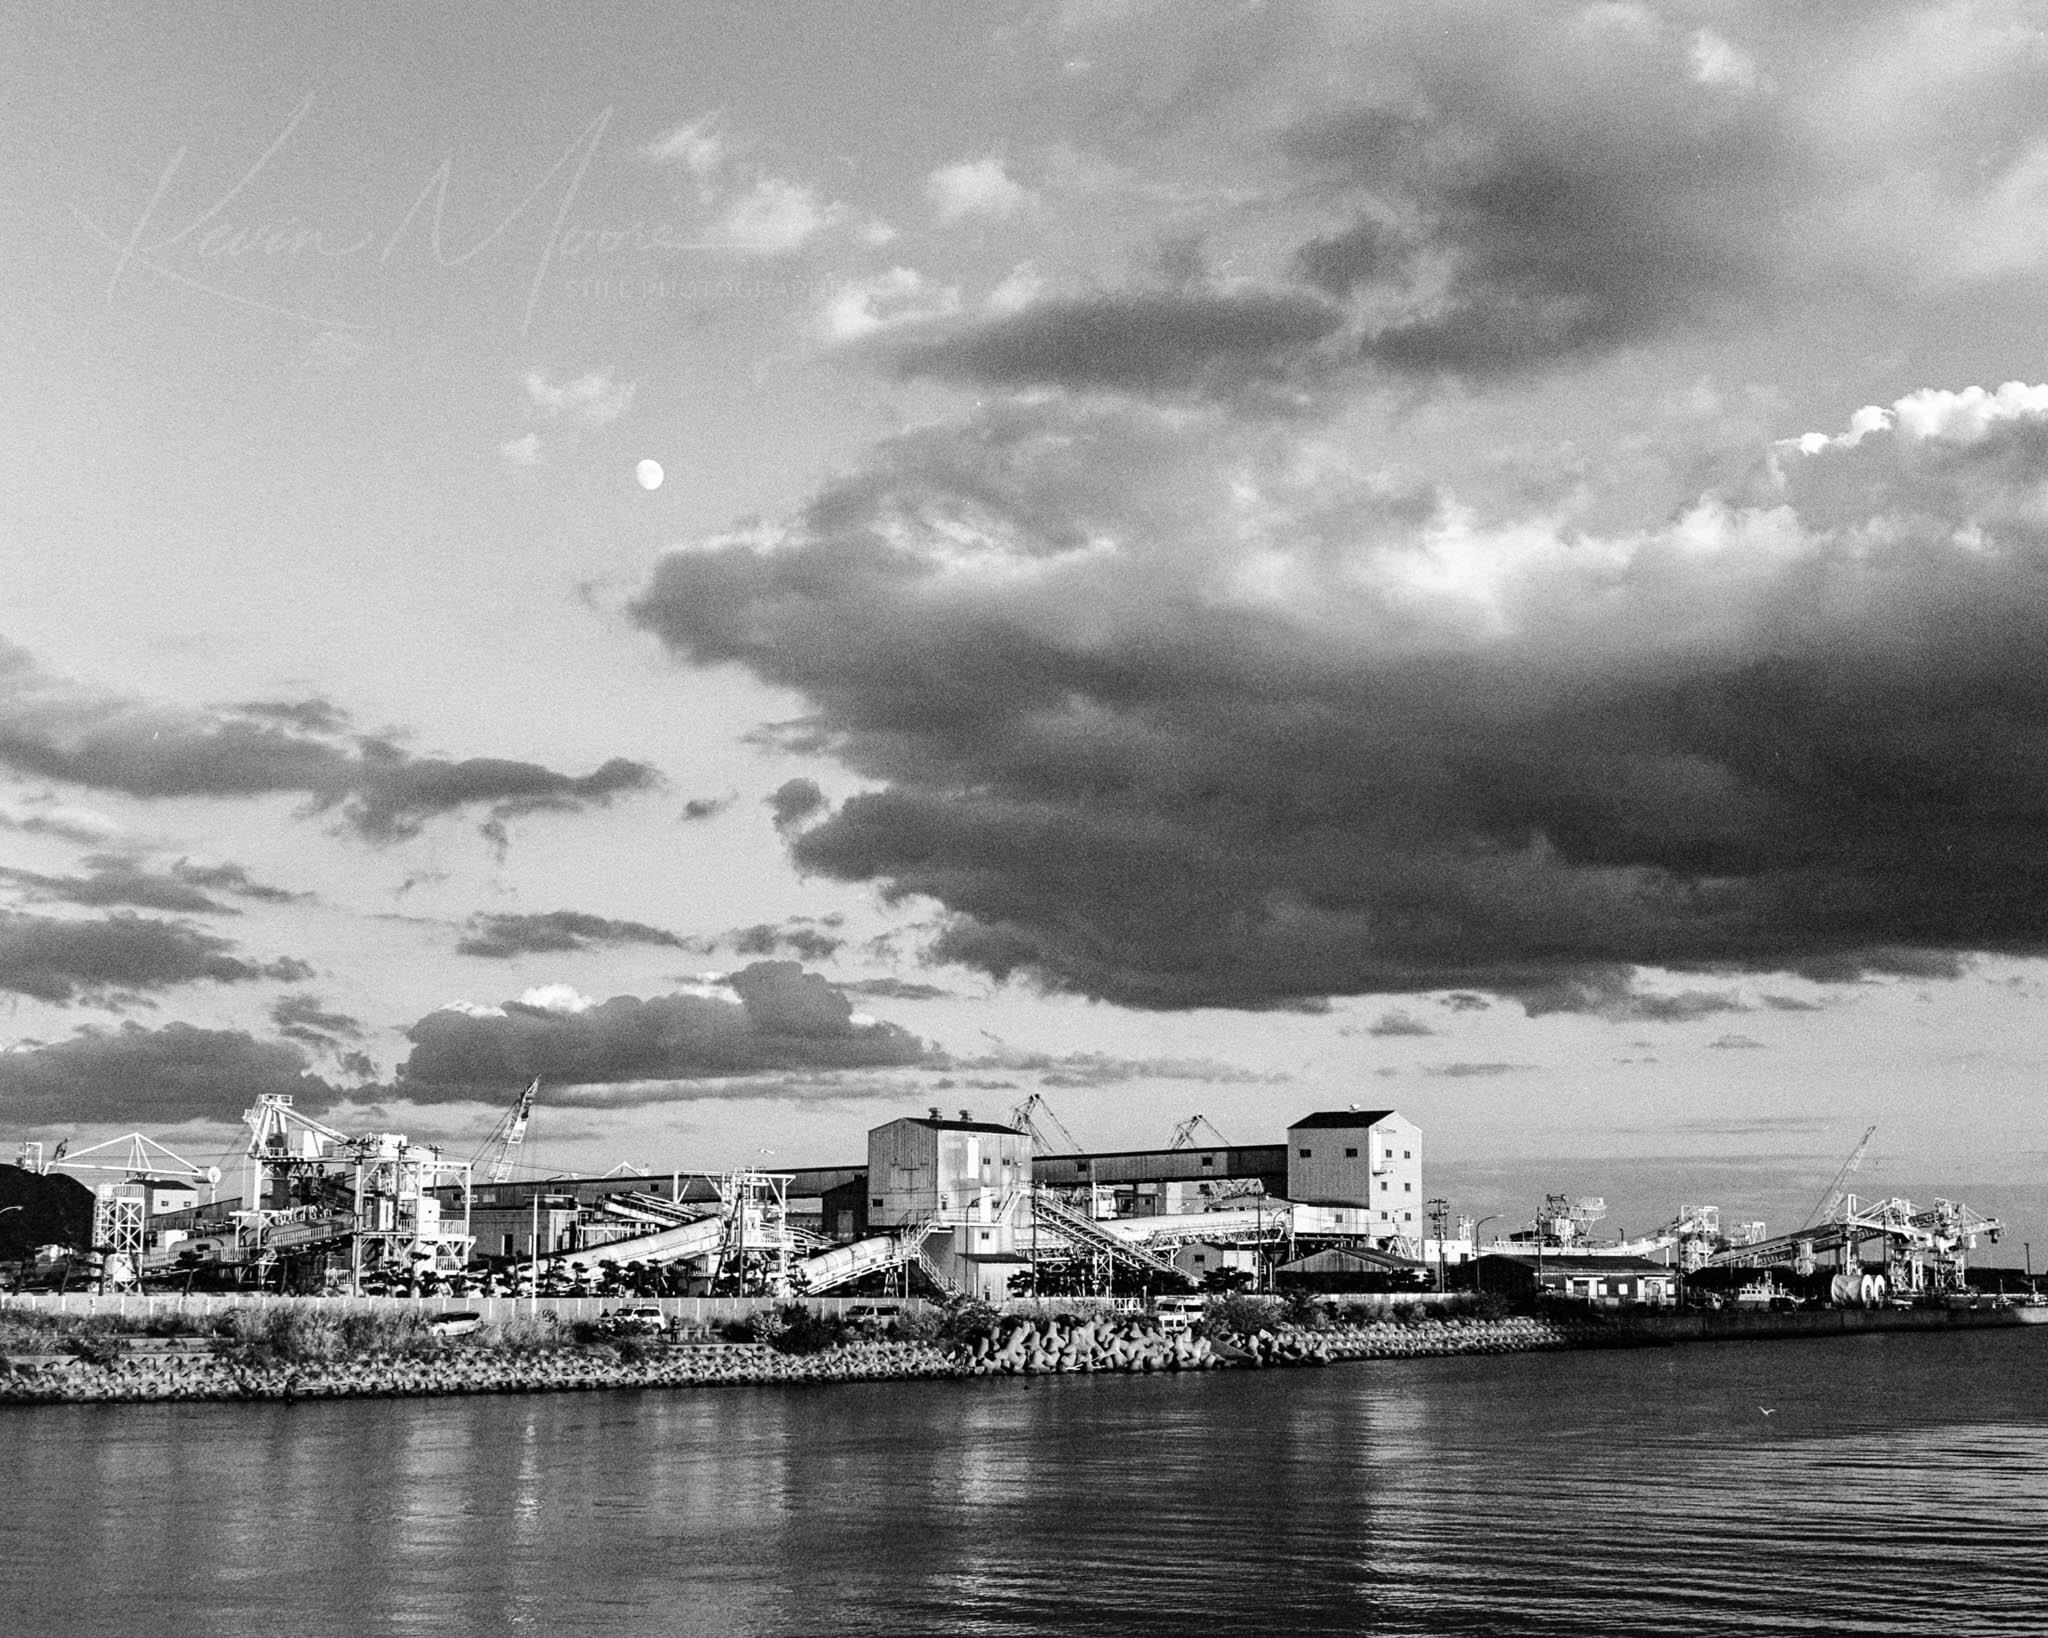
1439, 1211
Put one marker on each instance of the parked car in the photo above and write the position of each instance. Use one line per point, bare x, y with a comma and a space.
641, 1319
455, 1325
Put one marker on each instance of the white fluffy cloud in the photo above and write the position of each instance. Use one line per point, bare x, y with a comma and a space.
980, 187
861, 307
591, 401
697, 146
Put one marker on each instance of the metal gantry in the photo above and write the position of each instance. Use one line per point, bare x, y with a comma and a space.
311, 1188
1921, 1250
120, 1210
753, 1247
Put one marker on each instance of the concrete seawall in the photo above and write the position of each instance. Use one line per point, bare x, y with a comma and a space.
1732, 1325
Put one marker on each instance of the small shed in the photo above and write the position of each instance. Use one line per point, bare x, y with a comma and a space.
1352, 1268
1603, 1282
1201, 1258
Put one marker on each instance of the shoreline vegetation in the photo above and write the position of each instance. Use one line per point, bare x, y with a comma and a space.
299, 1351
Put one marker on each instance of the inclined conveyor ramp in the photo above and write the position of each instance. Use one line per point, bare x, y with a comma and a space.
1085, 1233
694, 1239
840, 1265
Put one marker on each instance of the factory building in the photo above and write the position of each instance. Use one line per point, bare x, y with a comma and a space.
959, 1191
1368, 1162
973, 1176
925, 1166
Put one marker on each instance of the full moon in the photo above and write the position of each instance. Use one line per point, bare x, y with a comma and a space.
649, 473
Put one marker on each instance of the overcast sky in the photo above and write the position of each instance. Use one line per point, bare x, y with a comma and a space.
1207, 558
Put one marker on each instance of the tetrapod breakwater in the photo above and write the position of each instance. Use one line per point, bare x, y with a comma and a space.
120, 1370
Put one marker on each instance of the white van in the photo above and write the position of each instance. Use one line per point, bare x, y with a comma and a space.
1178, 1314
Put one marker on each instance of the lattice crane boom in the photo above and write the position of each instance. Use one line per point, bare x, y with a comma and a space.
1833, 1195
494, 1160
1186, 1133
1022, 1117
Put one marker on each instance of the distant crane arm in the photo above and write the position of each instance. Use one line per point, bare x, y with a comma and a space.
1188, 1131
501, 1148
1831, 1196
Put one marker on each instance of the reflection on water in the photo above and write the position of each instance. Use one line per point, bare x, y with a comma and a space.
1874, 1484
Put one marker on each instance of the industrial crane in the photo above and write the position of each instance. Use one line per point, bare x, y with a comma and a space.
1187, 1131
1022, 1118
502, 1146
1832, 1196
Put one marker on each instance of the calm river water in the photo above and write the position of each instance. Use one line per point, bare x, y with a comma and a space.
1899, 1484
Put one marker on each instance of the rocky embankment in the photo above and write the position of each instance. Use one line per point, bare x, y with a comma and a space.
1018, 1347
1013, 1346
458, 1370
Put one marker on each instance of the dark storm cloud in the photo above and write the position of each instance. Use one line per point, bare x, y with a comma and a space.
159, 1077
85, 829
1093, 1069
897, 989
705, 807
1785, 733
779, 1019
1614, 995
1500, 220
1472, 194
500, 937
232, 878
60, 961
303, 1018
1140, 341
55, 729
394, 797
765, 939
1398, 1023
813, 1087
795, 802
1467, 1071
117, 880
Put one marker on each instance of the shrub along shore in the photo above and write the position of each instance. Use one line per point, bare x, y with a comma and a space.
300, 1352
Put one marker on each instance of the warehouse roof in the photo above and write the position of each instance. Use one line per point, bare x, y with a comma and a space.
1342, 1117
1350, 1260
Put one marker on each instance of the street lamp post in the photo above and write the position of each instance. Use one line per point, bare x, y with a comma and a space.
1476, 1227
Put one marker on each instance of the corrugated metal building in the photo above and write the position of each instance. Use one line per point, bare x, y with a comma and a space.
958, 1170
1367, 1159
1167, 1180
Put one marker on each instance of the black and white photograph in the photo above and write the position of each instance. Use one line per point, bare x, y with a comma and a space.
1023, 817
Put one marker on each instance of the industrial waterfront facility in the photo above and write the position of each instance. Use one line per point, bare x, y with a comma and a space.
946, 1205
